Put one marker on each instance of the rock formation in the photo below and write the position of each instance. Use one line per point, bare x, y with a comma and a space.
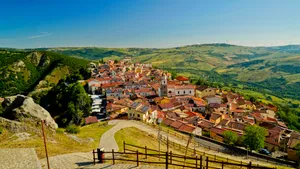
24, 109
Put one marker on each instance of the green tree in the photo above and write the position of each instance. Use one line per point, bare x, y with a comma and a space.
230, 137
68, 103
255, 137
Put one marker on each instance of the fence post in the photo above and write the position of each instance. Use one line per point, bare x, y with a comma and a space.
206, 162
215, 157
170, 157
195, 152
250, 163
227, 159
201, 162
167, 160
137, 157
146, 152
113, 156
94, 156
222, 164
124, 146
196, 161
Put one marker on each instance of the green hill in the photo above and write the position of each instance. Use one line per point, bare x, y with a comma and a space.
271, 70
24, 71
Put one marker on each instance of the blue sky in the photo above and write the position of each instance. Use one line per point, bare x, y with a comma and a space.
148, 23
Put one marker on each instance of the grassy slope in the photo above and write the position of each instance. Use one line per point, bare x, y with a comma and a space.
58, 143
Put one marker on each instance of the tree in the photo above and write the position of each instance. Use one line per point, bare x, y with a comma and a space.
230, 137
255, 137
297, 148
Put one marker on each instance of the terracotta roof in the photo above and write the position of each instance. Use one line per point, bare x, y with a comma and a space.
176, 124
182, 78
91, 119
216, 130
215, 116
168, 121
205, 124
237, 125
187, 128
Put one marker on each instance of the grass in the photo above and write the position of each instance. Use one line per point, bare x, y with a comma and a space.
58, 143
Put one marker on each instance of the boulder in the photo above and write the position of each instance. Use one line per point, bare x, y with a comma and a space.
24, 109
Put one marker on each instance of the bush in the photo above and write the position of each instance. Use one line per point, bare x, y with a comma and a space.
1, 130
72, 129
59, 131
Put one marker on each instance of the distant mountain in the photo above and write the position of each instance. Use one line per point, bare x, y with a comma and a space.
273, 70
24, 71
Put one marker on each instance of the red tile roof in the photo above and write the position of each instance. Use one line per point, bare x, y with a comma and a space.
187, 128
176, 124
182, 78
168, 121
91, 119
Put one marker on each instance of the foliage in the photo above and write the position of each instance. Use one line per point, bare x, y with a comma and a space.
1, 130
60, 130
73, 129
68, 102
16, 79
230, 137
254, 137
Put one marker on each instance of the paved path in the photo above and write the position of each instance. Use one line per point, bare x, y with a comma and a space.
19, 158
84, 161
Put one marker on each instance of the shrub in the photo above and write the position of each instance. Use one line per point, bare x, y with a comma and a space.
1, 130
72, 129
59, 131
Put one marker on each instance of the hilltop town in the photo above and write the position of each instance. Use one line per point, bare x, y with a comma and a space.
135, 91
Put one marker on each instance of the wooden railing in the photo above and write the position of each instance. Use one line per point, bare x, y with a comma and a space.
254, 157
138, 155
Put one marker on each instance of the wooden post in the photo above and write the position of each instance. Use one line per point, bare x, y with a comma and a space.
137, 157
222, 164
45, 143
206, 162
171, 157
195, 151
215, 157
167, 160
94, 157
201, 162
250, 163
227, 159
124, 146
113, 156
196, 161
146, 152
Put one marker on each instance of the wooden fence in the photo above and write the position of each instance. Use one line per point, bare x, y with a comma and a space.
138, 155
236, 151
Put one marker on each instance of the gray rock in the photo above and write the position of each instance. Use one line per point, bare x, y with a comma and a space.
24, 109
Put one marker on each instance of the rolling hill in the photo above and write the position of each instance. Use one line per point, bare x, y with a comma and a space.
25, 71
272, 70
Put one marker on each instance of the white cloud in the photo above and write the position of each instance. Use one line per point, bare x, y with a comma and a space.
43, 34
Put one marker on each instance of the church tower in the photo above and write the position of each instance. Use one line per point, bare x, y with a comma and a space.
163, 89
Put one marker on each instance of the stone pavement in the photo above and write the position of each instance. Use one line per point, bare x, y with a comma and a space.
19, 158
85, 161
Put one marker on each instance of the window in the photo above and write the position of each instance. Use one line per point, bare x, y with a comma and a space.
190, 91
170, 91
178, 92
138, 116
183, 92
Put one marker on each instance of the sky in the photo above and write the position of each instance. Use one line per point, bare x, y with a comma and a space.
148, 23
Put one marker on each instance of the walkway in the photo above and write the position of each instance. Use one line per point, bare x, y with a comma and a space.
84, 161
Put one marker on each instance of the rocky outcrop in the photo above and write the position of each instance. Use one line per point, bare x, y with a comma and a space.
39, 59
24, 109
